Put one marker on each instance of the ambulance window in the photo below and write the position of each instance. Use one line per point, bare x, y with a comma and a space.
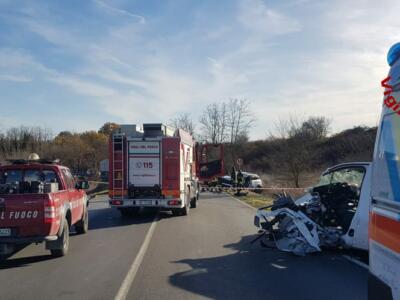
387, 161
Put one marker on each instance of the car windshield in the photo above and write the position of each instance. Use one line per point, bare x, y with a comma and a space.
352, 176
325, 179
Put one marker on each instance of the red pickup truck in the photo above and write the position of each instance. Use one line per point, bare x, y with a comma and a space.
39, 202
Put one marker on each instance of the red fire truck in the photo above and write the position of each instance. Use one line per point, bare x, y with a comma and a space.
152, 167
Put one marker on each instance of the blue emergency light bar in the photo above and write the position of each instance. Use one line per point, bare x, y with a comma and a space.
393, 54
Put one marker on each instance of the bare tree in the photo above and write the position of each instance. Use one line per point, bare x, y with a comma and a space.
315, 128
240, 120
214, 123
18, 142
290, 154
293, 143
184, 121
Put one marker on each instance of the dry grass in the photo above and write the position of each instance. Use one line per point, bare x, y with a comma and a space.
253, 199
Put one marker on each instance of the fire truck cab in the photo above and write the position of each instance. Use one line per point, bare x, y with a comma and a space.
152, 167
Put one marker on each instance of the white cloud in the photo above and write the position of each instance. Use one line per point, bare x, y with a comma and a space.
84, 87
257, 16
15, 78
18, 62
51, 33
119, 11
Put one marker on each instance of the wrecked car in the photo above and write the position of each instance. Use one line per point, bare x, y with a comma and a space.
332, 214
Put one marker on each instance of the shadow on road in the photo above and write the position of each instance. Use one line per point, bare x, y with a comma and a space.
108, 217
23, 261
253, 272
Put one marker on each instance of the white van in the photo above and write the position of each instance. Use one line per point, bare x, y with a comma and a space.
384, 223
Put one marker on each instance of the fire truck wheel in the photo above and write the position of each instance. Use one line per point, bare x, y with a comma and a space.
64, 242
82, 226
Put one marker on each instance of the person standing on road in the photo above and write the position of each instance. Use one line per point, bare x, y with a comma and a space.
239, 181
240, 178
233, 177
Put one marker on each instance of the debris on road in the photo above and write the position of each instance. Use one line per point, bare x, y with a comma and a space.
332, 214
290, 227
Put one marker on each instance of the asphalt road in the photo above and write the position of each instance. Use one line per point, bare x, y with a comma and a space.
204, 255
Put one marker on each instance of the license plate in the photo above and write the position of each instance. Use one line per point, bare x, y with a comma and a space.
5, 231
145, 202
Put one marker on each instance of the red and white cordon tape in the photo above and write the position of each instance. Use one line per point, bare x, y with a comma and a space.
250, 189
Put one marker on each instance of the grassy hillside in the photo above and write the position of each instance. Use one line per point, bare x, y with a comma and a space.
280, 160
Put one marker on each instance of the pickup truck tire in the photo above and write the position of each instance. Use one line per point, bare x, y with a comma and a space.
64, 241
82, 226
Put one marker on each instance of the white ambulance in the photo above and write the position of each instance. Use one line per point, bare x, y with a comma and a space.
384, 224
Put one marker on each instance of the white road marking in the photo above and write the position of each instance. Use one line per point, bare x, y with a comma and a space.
356, 261
240, 201
130, 277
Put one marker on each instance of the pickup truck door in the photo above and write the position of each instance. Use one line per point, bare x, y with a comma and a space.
76, 197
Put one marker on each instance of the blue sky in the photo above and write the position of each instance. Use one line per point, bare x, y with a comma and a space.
74, 65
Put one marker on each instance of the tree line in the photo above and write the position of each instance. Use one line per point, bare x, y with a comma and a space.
294, 147
80, 151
